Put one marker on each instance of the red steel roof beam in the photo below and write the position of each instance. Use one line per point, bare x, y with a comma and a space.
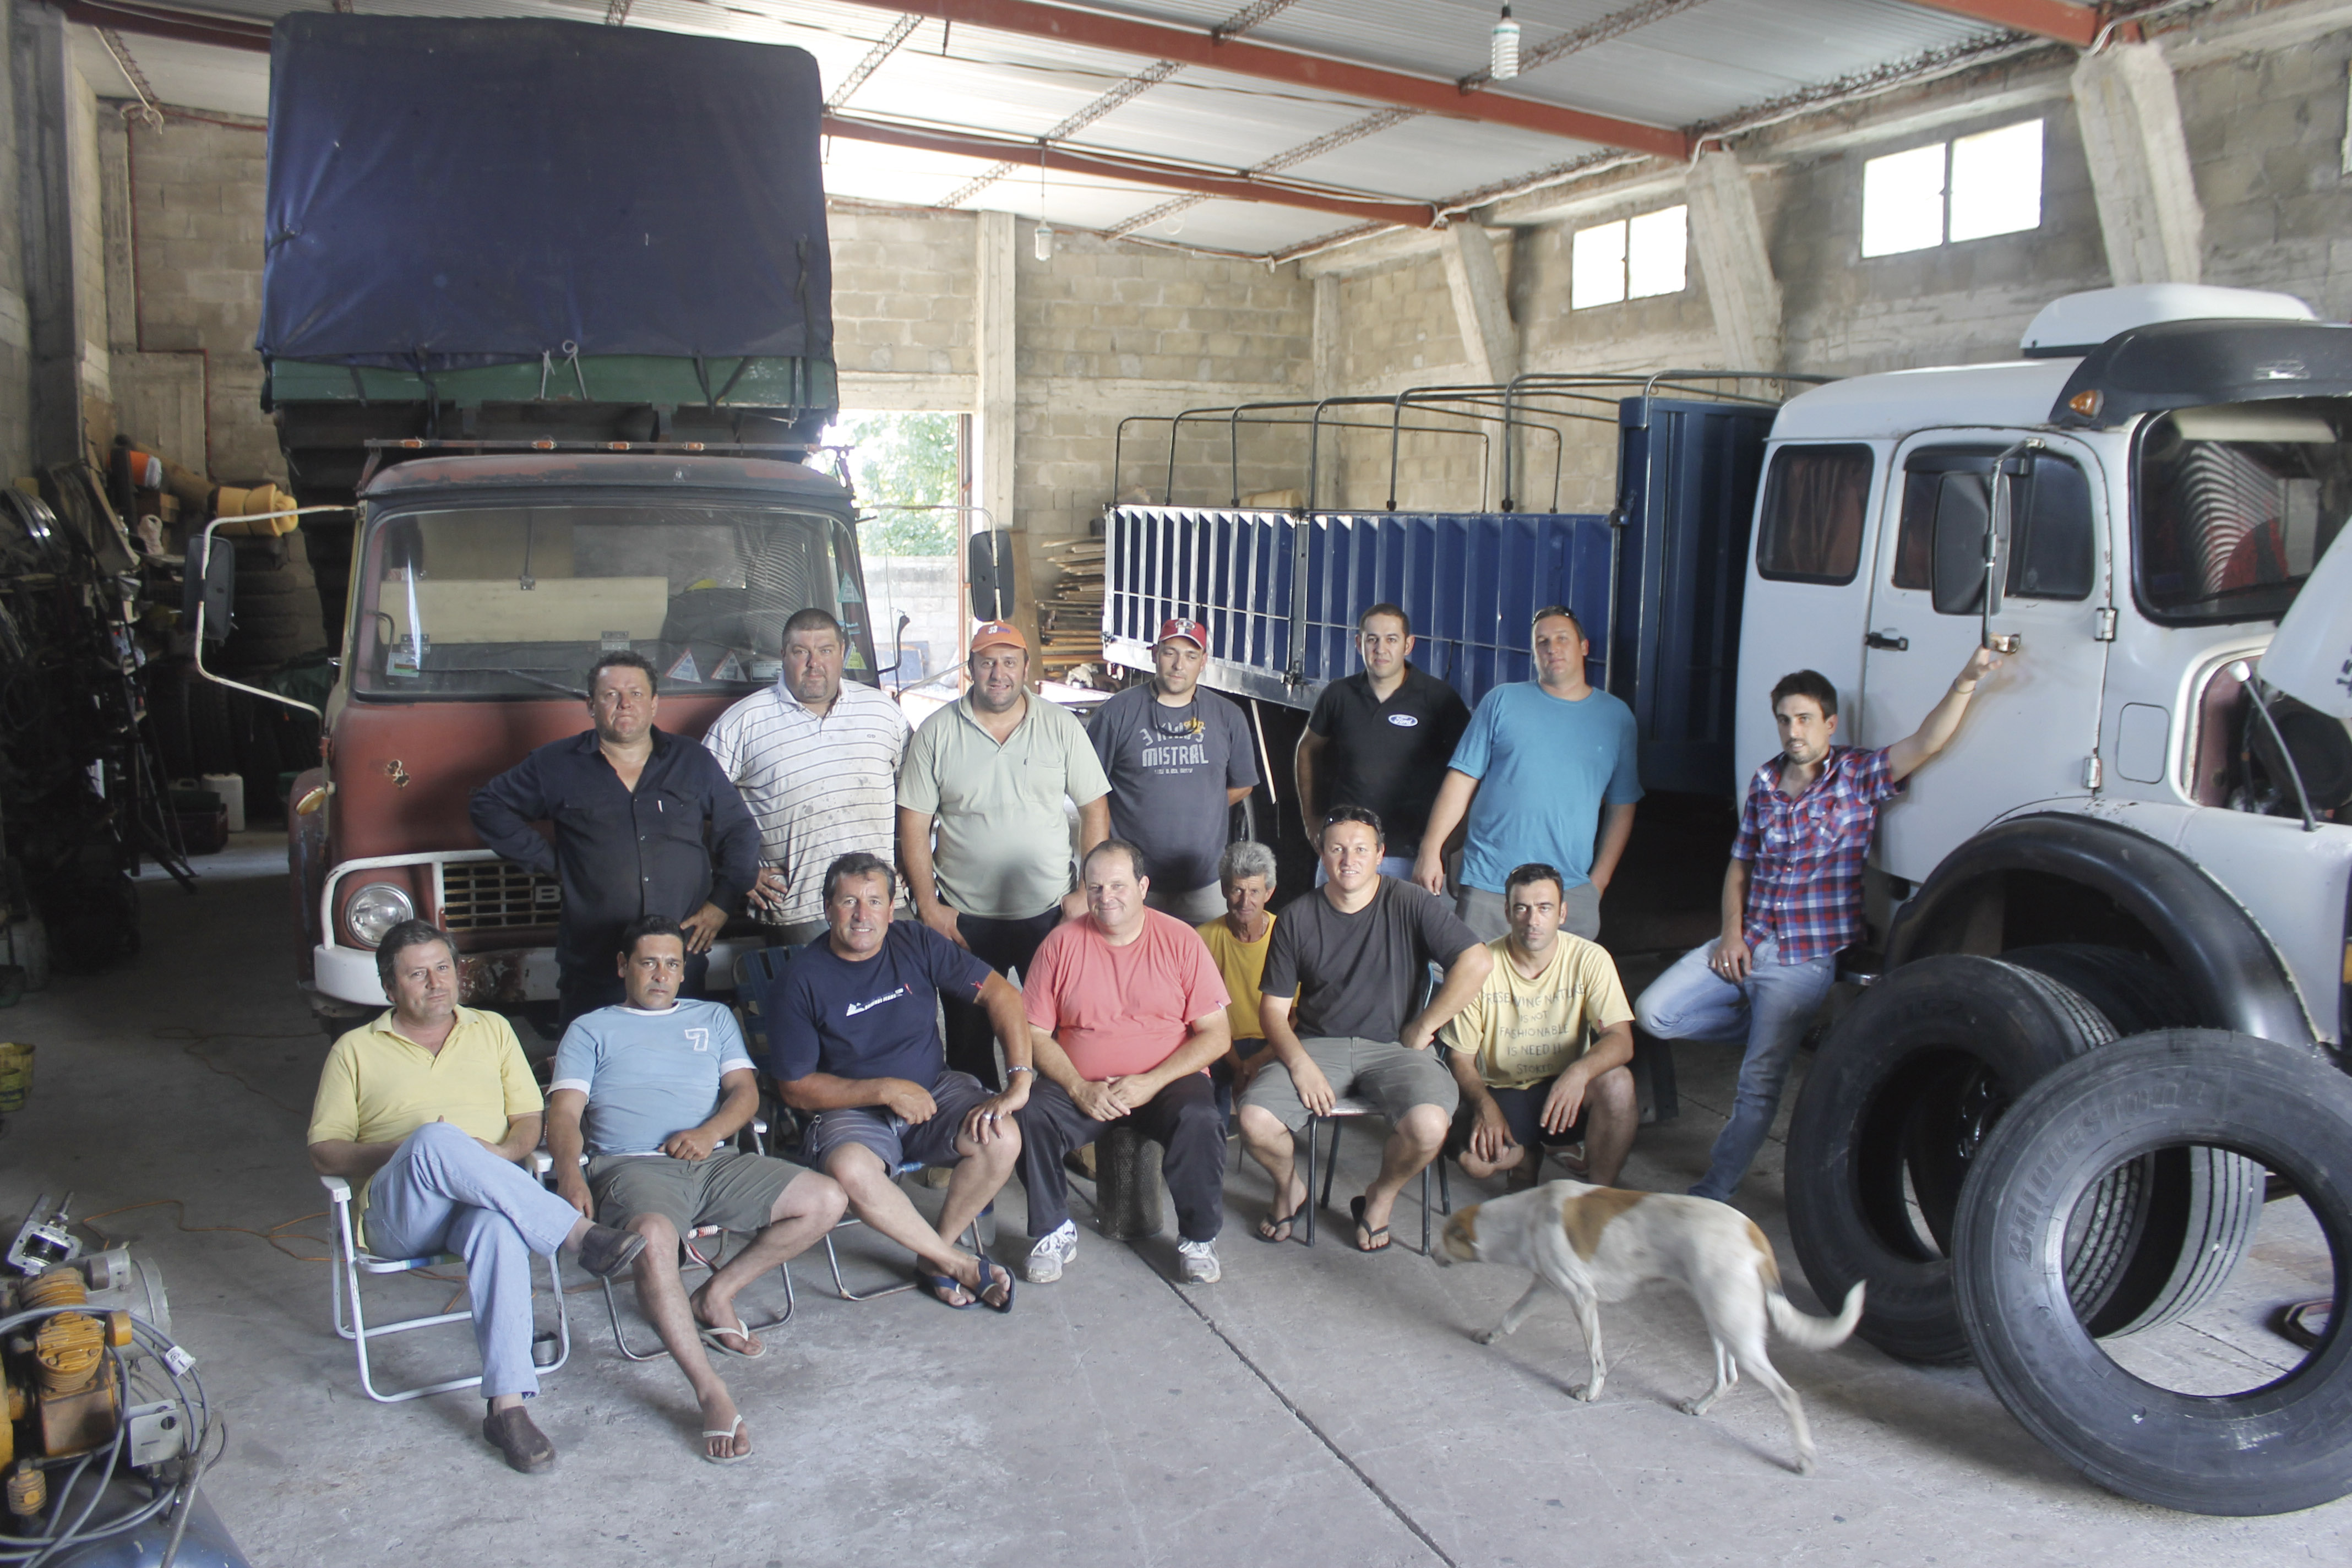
1151, 40
2076, 25
1170, 176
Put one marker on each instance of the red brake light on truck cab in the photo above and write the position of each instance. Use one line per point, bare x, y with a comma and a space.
412, 442
616, 445
542, 446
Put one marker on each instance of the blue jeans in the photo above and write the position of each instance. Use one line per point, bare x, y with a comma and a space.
443, 1191
1768, 1012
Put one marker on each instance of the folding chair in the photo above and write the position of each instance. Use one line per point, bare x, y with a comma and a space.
753, 1140
1341, 1111
352, 1260
754, 971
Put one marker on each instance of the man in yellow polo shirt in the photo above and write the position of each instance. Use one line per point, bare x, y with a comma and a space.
432, 1108
1541, 1053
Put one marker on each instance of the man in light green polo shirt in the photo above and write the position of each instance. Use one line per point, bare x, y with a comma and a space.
431, 1110
983, 836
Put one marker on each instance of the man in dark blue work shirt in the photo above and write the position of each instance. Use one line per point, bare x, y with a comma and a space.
645, 824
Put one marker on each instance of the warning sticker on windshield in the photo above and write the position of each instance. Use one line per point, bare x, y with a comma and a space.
685, 670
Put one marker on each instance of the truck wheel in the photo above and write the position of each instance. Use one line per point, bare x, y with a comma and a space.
2283, 1446
2186, 1216
1898, 1100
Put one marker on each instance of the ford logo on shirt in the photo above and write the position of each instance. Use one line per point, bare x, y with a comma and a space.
1404, 720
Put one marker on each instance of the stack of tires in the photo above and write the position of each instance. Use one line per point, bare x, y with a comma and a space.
2016, 1184
277, 610
198, 726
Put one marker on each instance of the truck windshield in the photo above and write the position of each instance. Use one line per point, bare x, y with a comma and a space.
518, 601
2236, 501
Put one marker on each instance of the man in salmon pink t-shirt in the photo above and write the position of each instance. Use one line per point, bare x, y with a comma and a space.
1126, 1012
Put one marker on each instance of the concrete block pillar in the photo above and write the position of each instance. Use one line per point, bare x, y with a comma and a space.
1490, 339
1728, 239
2149, 215
42, 76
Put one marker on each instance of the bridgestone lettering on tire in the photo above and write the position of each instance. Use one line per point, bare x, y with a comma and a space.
2285, 1446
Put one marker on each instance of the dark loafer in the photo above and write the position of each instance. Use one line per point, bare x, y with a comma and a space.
605, 1251
524, 1445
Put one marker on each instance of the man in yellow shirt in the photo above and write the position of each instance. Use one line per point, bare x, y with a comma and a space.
432, 1108
1237, 941
1541, 1051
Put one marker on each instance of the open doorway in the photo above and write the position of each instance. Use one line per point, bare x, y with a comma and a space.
911, 470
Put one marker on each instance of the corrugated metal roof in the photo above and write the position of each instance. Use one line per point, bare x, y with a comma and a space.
1689, 62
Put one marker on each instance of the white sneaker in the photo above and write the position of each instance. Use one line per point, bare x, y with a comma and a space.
1200, 1262
1052, 1251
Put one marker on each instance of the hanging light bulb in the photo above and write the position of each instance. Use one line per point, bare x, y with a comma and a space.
1505, 63
1044, 242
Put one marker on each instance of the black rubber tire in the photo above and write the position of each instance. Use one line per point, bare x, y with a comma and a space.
2285, 1446
256, 754
1906, 1086
2187, 1216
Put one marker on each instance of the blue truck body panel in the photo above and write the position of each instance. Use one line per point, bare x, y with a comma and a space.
1656, 582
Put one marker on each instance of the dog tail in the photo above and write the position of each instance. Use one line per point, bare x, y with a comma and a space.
1814, 1333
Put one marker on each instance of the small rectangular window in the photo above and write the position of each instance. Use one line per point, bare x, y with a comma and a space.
1596, 267
1902, 202
1815, 500
1972, 188
1657, 253
1636, 258
1997, 181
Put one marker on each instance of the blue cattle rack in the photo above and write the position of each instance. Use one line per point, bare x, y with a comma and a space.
1655, 582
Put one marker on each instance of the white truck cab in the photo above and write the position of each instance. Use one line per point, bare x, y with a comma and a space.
2174, 462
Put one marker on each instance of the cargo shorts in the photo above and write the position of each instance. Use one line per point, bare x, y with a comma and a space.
1382, 1071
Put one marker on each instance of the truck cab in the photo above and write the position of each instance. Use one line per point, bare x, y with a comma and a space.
483, 587
2152, 486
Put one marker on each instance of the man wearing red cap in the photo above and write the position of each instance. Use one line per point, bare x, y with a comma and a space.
983, 836
1177, 758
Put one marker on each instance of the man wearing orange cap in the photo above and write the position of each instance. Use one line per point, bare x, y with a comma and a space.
1177, 758
983, 835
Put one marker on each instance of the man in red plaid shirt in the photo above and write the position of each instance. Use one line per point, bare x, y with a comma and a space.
1791, 900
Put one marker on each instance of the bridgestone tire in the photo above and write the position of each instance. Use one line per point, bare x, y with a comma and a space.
1898, 1096
2285, 1446
2185, 1217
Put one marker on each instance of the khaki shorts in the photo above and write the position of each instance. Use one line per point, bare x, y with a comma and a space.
1390, 1077
731, 1190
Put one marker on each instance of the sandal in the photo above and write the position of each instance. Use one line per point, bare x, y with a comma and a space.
717, 1337
942, 1287
1278, 1226
1003, 1276
2303, 1322
730, 1457
1369, 1239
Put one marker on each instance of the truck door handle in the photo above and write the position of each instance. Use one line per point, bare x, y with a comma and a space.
1887, 640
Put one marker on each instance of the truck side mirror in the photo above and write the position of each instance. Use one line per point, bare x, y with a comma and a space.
211, 583
988, 567
2007, 468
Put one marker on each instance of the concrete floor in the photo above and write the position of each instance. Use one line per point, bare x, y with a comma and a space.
1317, 1407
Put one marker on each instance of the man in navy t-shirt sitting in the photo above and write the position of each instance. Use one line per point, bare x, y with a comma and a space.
853, 1035
662, 1085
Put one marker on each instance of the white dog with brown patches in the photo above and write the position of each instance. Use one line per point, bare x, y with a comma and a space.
1601, 1243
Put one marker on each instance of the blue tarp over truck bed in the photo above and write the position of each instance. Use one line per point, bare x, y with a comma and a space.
449, 193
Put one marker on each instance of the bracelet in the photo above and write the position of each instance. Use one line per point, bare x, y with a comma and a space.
1030, 1070
1967, 691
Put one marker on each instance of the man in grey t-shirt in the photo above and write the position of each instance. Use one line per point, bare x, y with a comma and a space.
1353, 952
1179, 758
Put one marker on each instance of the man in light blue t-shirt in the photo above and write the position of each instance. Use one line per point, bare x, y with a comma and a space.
1539, 761
664, 1084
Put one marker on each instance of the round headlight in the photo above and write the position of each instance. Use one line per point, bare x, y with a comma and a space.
374, 909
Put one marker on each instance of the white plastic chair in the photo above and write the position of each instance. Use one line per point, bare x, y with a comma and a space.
352, 1260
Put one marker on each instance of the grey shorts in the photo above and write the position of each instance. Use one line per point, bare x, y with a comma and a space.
1488, 917
731, 1190
1382, 1071
895, 1140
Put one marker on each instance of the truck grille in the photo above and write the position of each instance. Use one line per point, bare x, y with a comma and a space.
491, 895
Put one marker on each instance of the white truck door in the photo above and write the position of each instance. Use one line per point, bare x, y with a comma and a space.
2034, 729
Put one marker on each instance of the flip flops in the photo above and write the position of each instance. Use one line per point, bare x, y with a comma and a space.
714, 1337
1265, 1229
730, 1457
941, 1286
991, 1275
1377, 1237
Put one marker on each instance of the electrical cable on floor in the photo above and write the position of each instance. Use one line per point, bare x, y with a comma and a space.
270, 1236
189, 1039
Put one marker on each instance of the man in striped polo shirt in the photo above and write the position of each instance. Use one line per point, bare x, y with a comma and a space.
817, 759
